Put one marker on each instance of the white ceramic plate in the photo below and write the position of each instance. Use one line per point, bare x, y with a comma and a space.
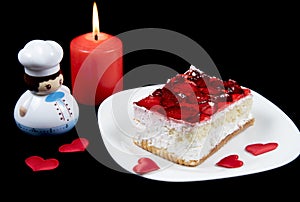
271, 125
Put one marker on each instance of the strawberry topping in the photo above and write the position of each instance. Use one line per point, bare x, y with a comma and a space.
193, 96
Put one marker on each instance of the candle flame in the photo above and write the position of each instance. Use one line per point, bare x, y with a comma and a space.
96, 29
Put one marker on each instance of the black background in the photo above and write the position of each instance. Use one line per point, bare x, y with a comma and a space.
251, 42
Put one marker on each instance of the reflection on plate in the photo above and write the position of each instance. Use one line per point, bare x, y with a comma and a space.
271, 125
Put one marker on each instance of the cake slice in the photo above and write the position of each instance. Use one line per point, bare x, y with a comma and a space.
192, 116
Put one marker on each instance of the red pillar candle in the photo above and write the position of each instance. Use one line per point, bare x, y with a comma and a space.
96, 66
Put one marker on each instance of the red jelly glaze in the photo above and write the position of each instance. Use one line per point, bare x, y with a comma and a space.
193, 96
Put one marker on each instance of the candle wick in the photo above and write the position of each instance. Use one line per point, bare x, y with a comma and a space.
96, 37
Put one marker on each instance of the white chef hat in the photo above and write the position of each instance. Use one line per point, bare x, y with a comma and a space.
41, 58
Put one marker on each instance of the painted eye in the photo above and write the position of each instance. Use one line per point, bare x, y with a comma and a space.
48, 86
60, 81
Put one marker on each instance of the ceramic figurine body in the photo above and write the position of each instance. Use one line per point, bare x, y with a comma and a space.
47, 107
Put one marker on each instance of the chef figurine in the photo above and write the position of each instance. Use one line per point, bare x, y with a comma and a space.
47, 107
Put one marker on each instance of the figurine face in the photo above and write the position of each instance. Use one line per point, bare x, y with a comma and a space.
50, 86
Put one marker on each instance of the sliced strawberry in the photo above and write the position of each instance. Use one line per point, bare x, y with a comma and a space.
236, 96
149, 102
208, 108
168, 99
157, 93
183, 113
204, 117
200, 79
202, 97
174, 112
247, 91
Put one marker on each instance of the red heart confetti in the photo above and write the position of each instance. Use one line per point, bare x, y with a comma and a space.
260, 148
77, 145
231, 161
37, 163
145, 165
